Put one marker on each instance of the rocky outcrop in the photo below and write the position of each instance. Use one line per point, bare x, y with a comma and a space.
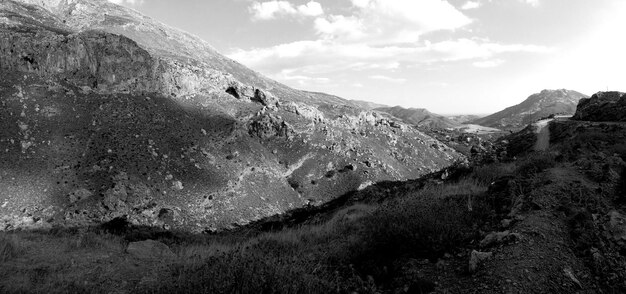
109, 63
602, 107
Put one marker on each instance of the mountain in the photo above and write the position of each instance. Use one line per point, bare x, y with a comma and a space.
106, 113
537, 106
419, 117
367, 105
463, 118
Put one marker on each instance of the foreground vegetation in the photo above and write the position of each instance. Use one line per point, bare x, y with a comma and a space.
417, 242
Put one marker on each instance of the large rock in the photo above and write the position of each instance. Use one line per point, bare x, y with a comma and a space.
476, 258
602, 107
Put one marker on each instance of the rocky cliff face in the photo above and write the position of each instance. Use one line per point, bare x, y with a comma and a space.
106, 113
537, 106
603, 107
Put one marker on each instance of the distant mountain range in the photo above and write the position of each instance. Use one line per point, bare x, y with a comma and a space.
537, 106
420, 117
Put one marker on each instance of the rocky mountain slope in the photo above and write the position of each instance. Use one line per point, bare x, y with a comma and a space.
106, 113
537, 106
367, 105
603, 106
419, 117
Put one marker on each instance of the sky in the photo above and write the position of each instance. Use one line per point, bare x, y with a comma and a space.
450, 57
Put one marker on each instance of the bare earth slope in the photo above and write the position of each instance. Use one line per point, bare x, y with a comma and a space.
106, 113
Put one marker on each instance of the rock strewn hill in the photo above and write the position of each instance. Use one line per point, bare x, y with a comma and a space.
603, 106
537, 106
106, 113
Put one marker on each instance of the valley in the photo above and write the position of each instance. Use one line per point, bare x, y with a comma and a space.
136, 158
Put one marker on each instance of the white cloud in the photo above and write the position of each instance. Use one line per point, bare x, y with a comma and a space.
471, 5
533, 3
391, 21
388, 79
488, 63
350, 27
321, 58
273, 9
127, 2
311, 9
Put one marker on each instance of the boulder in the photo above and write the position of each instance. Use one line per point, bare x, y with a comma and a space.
499, 237
79, 195
603, 106
150, 250
476, 258
266, 99
617, 226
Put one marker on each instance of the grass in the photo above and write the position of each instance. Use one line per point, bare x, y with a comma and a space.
360, 249
10, 247
535, 163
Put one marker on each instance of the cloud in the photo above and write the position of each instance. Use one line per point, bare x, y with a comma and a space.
471, 5
127, 2
311, 9
388, 79
272, 9
488, 63
325, 57
474, 4
390, 21
533, 3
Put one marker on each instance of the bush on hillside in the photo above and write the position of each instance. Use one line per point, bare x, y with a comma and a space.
415, 227
536, 163
621, 187
10, 247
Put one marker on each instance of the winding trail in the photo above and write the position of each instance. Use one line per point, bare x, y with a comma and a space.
543, 135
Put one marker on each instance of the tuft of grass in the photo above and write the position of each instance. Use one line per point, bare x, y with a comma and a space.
94, 240
487, 174
10, 247
536, 163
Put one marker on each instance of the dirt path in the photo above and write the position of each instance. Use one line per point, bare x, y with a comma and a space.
543, 135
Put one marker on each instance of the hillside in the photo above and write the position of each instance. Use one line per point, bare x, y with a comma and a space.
463, 118
602, 106
367, 105
550, 220
537, 106
419, 117
106, 113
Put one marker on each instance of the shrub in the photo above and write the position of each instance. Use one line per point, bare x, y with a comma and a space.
487, 174
621, 187
10, 247
415, 227
536, 163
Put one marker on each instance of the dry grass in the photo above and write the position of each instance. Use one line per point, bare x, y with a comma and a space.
11, 246
355, 251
